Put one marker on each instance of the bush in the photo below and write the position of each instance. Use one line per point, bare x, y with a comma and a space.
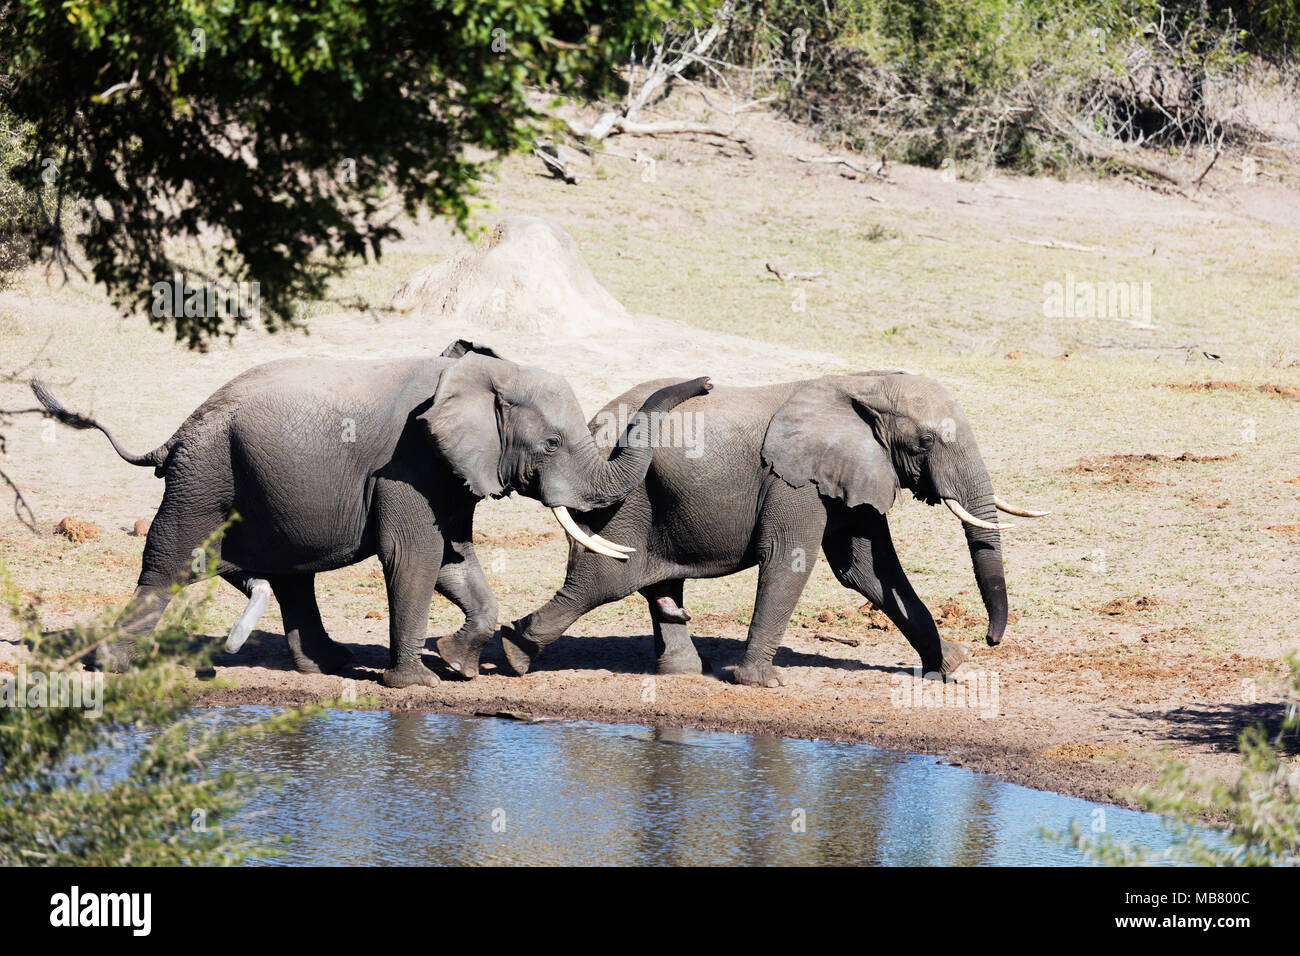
1026, 84
1262, 807
18, 206
68, 796
1272, 27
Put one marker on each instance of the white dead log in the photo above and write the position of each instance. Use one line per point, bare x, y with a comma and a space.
549, 154
793, 276
659, 71
1058, 244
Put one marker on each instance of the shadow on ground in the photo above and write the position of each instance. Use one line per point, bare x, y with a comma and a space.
618, 654
1219, 725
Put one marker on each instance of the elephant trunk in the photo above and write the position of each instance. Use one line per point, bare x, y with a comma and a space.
985, 546
611, 480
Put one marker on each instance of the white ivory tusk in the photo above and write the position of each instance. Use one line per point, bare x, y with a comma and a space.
587, 541
610, 544
970, 519
248, 620
1018, 512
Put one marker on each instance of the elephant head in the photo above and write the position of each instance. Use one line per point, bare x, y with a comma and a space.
503, 427
860, 438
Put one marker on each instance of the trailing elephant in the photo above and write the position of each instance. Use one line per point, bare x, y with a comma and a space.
327, 462
777, 472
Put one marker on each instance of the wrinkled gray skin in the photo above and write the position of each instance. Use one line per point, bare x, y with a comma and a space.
782, 470
329, 462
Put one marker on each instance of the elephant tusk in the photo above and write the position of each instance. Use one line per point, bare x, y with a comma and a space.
610, 544
970, 519
248, 620
1018, 512
587, 541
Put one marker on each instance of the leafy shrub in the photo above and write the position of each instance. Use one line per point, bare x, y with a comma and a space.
67, 797
1027, 84
18, 206
1261, 807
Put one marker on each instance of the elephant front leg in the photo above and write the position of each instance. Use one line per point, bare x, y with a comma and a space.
863, 558
462, 582
589, 582
411, 581
789, 532
780, 582
524, 639
675, 652
410, 547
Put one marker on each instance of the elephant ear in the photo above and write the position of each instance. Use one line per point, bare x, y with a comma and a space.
463, 421
463, 347
824, 434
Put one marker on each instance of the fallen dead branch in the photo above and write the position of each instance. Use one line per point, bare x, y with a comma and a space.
1058, 244
793, 276
549, 154
1086, 144
879, 169
836, 639
665, 65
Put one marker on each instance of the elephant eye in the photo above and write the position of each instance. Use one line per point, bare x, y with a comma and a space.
927, 441
552, 443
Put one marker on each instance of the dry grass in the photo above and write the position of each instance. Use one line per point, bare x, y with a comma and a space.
1189, 503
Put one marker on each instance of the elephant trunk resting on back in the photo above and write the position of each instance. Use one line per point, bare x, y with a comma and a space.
330, 462
775, 472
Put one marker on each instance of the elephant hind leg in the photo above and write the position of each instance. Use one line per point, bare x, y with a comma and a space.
675, 652
173, 554
862, 555
310, 647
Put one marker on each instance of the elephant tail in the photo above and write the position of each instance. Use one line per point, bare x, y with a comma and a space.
72, 419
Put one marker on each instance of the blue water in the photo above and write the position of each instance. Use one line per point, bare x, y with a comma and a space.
377, 787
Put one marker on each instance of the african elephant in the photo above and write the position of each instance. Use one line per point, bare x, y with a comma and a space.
776, 472
327, 462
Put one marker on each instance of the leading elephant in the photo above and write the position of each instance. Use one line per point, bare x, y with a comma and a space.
327, 462
771, 475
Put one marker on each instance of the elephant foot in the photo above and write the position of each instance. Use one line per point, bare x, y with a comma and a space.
954, 655
757, 675
115, 658
668, 612
324, 657
461, 653
680, 663
520, 651
406, 675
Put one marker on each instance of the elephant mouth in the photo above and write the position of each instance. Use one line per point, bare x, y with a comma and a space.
923, 489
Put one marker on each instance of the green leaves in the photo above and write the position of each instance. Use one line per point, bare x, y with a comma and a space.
123, 777
166, 120
1260, 809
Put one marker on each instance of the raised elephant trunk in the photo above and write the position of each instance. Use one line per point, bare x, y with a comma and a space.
611, 480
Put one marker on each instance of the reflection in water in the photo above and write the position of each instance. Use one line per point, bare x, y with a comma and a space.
370, 787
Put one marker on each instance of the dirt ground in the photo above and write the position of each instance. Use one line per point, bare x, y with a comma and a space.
1152, 609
